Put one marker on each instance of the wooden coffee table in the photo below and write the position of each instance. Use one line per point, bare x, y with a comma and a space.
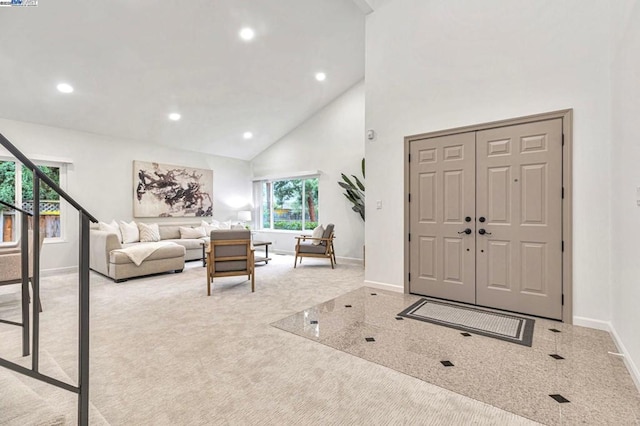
266, 257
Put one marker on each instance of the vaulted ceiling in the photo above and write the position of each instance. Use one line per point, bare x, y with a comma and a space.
132, 63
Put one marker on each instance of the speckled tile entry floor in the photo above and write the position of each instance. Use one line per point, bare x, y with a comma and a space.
568, 375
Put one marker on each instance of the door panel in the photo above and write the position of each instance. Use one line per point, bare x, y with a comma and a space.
533, 194
519, 192
499, 273
453, 258
533, 277
442, 175
453, 192
428, 197
427, 267
499, 206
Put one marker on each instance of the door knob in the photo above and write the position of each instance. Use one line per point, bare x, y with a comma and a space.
482, 219
466, 231
481, 231
467, 219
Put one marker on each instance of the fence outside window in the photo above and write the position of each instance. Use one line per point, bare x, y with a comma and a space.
49, 220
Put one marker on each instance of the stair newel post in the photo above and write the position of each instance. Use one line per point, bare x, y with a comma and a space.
24, 265
83, 359
36, 271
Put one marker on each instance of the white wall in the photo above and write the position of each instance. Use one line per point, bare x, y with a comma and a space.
434, 65
332, 141
101, 177
626, 180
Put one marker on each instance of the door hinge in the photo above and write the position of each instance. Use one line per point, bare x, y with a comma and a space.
562, 245
563, 192
409, 236
563, 300
563, 139
409, 157
409, 197
409, 276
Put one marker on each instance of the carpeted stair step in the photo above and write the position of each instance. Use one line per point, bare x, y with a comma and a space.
65, 401
21, 406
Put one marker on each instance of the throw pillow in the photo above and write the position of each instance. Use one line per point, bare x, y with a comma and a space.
192, 233
237, 226
149, 232
317, 233
130, 232
225, 225
111, 228
208, 227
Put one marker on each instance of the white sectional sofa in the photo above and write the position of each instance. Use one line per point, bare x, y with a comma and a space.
107, 259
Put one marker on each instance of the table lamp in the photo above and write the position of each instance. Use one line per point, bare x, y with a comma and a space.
244, 216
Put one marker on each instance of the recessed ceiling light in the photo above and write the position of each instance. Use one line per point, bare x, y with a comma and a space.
247, 34
247, 135
65, 88
321, 76
174, 116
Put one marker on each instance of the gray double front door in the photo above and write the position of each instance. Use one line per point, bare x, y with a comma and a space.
485, 217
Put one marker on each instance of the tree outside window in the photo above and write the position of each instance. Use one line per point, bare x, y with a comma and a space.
290, 204
7, 182
16, 187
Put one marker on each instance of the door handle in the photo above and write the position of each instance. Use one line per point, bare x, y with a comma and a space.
466, 231
481, 231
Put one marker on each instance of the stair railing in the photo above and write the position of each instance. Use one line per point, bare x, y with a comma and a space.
24, 265
82, 387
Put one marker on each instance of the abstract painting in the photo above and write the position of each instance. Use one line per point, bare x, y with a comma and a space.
162, 190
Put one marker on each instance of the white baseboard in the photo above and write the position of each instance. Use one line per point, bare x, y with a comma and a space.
350, 260
58, 271
287, 252
631, 366
592, 323
384, 286
608, 326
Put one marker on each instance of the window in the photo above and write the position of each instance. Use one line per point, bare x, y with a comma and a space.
289, 204
16, 187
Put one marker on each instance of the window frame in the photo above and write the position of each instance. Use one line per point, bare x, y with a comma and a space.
260, 205
62, 167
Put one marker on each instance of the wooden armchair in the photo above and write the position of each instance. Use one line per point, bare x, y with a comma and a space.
230, 254
305, 246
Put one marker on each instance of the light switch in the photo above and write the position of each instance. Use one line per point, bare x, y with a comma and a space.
379, 204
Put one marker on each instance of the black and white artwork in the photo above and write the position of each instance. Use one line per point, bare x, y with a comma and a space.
163, 190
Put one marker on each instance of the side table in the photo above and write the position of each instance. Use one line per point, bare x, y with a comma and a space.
266, 257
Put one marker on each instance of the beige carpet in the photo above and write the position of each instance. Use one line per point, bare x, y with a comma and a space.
163, 353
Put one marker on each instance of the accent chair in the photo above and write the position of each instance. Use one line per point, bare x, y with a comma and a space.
307, 246
230, 254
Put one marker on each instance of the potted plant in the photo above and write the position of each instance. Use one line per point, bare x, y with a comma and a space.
354, 192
